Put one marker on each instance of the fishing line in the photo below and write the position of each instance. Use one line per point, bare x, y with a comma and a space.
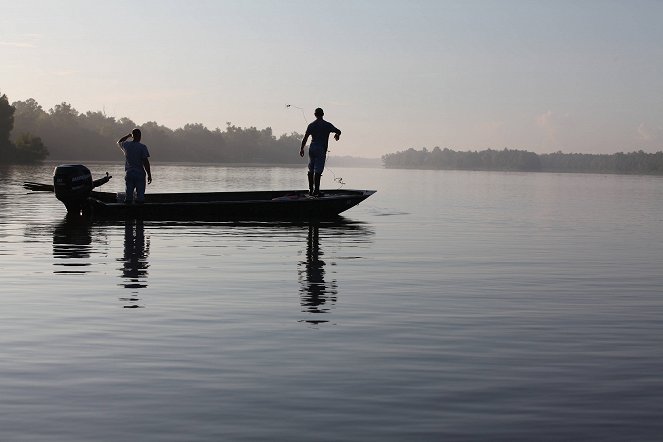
338, 180
297, 107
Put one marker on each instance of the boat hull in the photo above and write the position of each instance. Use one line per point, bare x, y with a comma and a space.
226, 205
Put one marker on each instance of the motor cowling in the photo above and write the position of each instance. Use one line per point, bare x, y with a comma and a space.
72, 184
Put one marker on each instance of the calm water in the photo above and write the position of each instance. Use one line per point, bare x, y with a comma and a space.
448, 306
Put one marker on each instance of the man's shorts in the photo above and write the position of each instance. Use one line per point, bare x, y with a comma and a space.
316, 158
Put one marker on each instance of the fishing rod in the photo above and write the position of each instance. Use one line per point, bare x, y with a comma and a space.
339, 180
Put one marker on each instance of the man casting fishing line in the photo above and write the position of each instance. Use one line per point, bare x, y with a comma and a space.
319, 131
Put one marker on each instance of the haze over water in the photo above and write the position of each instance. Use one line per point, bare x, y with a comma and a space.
448, 306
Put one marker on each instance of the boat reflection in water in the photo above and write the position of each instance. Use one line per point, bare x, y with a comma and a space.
72, 246
77, 241
134, 261
319, 292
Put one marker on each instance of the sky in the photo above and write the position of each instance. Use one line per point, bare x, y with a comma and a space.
576, 76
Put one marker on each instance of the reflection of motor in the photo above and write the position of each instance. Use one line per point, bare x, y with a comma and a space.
72, 240
73, 183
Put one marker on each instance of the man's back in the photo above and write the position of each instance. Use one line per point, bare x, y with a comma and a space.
134, 152
319, 131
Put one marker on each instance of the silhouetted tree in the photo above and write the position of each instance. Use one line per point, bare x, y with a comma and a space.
6, 126
30, 149
29, 117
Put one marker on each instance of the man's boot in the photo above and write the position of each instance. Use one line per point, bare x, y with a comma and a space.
316, 191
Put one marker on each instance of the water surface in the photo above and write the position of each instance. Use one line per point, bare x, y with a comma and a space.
448, 306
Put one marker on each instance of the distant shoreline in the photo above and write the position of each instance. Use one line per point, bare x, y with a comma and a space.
577, 172
513, 160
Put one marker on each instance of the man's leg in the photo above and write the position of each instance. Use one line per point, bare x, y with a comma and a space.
311, 167
129, 189
140, 189
319, 167
310, 182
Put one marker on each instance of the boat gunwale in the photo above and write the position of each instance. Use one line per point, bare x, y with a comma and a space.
101, 198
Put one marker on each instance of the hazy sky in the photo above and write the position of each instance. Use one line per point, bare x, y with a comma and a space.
576, 76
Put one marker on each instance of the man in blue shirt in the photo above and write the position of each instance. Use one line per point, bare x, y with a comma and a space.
319, 131
136, 165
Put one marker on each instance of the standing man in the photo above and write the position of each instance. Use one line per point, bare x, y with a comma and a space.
319, 131
136, 165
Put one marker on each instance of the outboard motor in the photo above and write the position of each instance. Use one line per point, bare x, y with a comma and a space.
72, 184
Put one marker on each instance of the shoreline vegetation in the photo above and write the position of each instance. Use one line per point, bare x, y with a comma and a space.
91, 136
640, 163
29, 134
65, 134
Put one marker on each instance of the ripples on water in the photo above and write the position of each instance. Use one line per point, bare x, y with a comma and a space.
448, 306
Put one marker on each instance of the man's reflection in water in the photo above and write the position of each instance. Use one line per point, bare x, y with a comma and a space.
317, 296
72, 242
135, 264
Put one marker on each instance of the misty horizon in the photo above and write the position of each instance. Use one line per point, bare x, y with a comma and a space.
125, 121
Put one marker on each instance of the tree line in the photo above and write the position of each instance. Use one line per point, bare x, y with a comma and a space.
521, 160
63, 133
24, 148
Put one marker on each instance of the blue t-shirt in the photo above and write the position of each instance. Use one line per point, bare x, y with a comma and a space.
319, 131
134, 154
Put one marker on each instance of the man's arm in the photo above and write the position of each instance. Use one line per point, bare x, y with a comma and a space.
122, 140
146, 165
337, 133
301, 151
